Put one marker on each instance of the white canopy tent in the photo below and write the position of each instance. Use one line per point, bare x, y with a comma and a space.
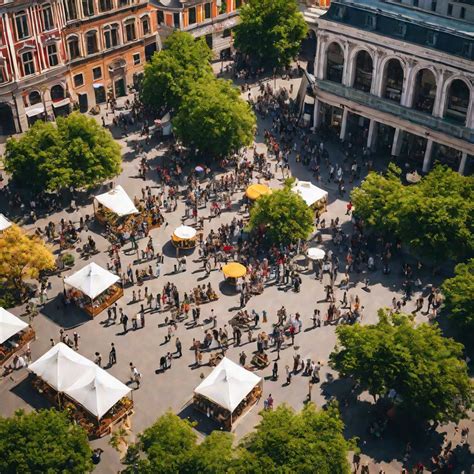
4, 223
185, 232
92, 280
310, 193
117, 201
9, 325
315, 253
228, 384
73, 374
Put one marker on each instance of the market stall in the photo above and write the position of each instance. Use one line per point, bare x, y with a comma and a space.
255, 191
93, 398
315, 253
4, 223
93, 289
228, 392
184, 237
313, 196
14, 335
234, 270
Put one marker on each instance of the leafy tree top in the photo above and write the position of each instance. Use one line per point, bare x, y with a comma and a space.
173, 71
434, 217
270, 31
282, 215
21, 257
44, 441
423, 367
214, 119
76, 152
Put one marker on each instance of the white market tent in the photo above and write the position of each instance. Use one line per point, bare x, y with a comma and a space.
4, 223
315, 253
185, 232
310, 193
118, 201
228, 384
92, 280
9, 325
73, 374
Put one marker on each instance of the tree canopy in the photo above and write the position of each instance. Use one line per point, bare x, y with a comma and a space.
423, 367
434, 217
214, 119
44, 441
76, 152
270, 32
459, 301
21, 257
282, 215
172, 71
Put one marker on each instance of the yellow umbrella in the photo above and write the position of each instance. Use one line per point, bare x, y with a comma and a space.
234, 270
254, 191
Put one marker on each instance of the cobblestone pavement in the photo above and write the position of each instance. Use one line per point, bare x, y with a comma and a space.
173, 389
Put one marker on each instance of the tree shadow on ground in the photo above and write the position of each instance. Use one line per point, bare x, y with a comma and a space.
67, 317
202, 424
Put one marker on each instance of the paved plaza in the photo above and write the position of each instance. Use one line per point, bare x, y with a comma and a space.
173, 389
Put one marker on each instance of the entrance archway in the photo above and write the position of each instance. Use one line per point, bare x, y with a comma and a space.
363, 71
7, 122
334, 63
425, 91
457, 102
393, 80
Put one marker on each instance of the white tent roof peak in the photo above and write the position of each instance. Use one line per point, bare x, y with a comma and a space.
4, 223
118, 201
9, 325
185, 232
92, 280
228, 384
309, 192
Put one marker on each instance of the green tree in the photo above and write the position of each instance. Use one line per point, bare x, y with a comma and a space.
270, 32
283, 215
424, 368
44, 441
76, 152
435, 217
214, 119
172, 71
459, 301
306, 442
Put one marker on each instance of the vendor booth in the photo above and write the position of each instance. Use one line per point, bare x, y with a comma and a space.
228, 392
315, 253
255, 191
92, 397
234, 270
313, 196
4, 223
184, 237
14, 335
93, 288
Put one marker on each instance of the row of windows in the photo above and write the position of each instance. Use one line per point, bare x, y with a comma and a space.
22, 26
91, 7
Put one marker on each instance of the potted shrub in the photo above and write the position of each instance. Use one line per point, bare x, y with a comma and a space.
68, 259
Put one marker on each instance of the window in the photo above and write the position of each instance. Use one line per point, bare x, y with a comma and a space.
450, 9
97, 73
462, 13
340, 12
53, 55
207, 11
78, 80
28, 63
105, 5
434, 4
3, 75
238, 3
71, 10
432, 38
467, 49
73, 47
176, 21
34, 98
21, 21
401, 29
136, 59
226, 33
48, 22
130, 32
192, 15
124, 3
160, 17
111, 36
88, 7
91, 42
146, 25
415, 3
370, 22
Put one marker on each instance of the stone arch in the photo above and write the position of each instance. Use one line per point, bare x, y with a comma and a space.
7, 121
34, 97
362, 66
334, 61
58, 92
425, 84
457, 103
393, 77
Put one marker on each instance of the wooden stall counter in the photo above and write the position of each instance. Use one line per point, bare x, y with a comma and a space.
94, 310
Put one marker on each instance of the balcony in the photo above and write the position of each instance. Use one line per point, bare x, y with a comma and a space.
387, 106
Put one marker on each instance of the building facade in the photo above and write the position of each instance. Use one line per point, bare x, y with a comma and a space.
400, 79
58, 53
212, 19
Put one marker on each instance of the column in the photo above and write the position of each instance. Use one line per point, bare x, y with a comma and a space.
372, 135
462, 164
347, 69
317, 114
397, 142
408, 89
427, 158
21, 115
344, 124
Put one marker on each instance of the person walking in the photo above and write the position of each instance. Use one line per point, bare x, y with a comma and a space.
275, 371
112, 355
135, 375
98, 359
76, 341
124, 322
178, 347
